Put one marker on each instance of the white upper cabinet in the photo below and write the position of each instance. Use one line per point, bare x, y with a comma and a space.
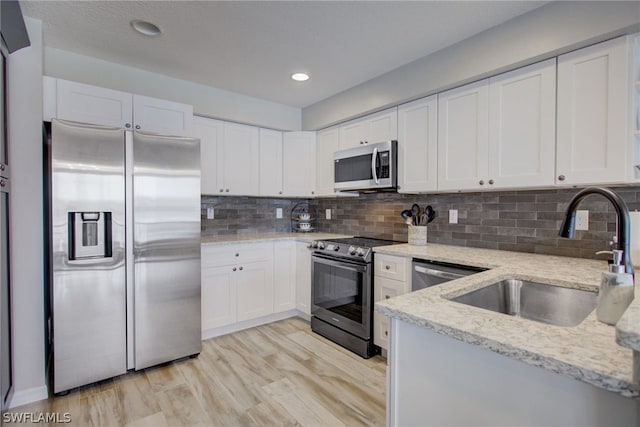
522, 127
377, 127
328, 142
463, 137
210, 133
299, 159
499, 133
270, 162
91, 104
160, 116
593, 91
418, 146
239, 160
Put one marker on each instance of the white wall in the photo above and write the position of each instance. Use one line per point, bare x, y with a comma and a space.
24, 74
207, 101
540, 34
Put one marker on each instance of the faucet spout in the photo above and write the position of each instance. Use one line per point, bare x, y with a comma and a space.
567, 229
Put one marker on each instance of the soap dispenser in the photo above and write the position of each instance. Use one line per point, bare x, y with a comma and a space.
616, 290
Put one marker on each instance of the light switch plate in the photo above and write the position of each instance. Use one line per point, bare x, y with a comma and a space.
453, 216
210, 213
327, 213
279, 213
582, 219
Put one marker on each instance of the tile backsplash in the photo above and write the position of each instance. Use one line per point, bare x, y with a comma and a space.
524, 221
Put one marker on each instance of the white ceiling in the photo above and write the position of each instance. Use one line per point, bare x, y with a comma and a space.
252, 47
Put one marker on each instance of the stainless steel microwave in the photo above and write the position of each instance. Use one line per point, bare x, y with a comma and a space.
370, 167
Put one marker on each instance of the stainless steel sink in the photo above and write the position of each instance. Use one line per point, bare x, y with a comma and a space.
554, 305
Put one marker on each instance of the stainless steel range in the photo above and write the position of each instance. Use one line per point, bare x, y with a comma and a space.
342, 291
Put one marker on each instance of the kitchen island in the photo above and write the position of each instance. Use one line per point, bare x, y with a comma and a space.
455, 364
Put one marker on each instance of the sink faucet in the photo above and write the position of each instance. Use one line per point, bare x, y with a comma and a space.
567, 229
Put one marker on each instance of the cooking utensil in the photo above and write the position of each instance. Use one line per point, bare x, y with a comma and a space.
406, 215
415, 213
431, 214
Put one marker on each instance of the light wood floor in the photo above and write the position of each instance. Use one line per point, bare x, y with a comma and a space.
278, 374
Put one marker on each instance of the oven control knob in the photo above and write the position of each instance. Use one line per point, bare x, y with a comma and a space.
321, 245
336, 248
352, 250
360, 252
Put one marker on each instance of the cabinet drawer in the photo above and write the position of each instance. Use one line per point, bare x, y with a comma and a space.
216, 256
392, 267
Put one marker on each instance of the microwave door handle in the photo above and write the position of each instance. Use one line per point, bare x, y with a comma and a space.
374, 160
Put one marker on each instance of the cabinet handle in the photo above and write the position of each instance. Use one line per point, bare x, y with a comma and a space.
138, 127
366, 142
237, 254
313, 192
361, 142
2, 183
222, 190
227, 190
240, 268
2, 168
127, 125
491, 182
234, 269
279, 192
387, 267
481, 182
386, 333
387, 297
561, 178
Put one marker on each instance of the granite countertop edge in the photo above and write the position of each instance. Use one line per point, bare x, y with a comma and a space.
267, 236
587, 352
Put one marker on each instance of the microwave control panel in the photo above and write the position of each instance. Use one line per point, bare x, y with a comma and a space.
384, 165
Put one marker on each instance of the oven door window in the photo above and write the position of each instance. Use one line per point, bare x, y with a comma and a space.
341, 295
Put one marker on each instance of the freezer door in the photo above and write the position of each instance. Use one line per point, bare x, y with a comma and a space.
88, 292
166, 215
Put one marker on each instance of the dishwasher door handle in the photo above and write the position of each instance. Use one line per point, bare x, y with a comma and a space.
437, 273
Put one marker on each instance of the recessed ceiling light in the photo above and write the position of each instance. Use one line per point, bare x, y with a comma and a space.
145, 27
300, 77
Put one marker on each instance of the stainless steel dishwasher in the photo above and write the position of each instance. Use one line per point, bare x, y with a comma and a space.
430, 273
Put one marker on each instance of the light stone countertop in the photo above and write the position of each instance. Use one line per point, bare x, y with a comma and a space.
587, 352
267, 236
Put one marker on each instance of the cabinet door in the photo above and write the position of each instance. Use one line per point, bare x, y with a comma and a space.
160, 116
328, 141
353, 133
284, 283
299, 154
418, 146
303, 278
385, 289
218, 297
382, 126
91, 104
210, 133
463, 137
270, 163
254, 286
239, 162
592, 114
522, 127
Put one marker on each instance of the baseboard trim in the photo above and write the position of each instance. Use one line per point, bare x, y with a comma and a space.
239, 326
29, 395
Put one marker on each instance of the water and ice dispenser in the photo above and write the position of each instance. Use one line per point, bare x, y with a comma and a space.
89, 235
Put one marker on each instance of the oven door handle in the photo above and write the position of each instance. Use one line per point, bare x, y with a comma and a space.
349, 265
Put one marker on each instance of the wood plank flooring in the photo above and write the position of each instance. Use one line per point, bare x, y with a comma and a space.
280, 374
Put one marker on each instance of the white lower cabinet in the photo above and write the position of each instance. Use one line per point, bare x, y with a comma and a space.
237, 283
249, 284
284, 273
303, 278
392, 277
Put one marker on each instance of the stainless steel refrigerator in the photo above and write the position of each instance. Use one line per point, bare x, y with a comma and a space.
124, 250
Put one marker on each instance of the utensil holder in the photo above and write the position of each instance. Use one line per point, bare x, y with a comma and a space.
418, 235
